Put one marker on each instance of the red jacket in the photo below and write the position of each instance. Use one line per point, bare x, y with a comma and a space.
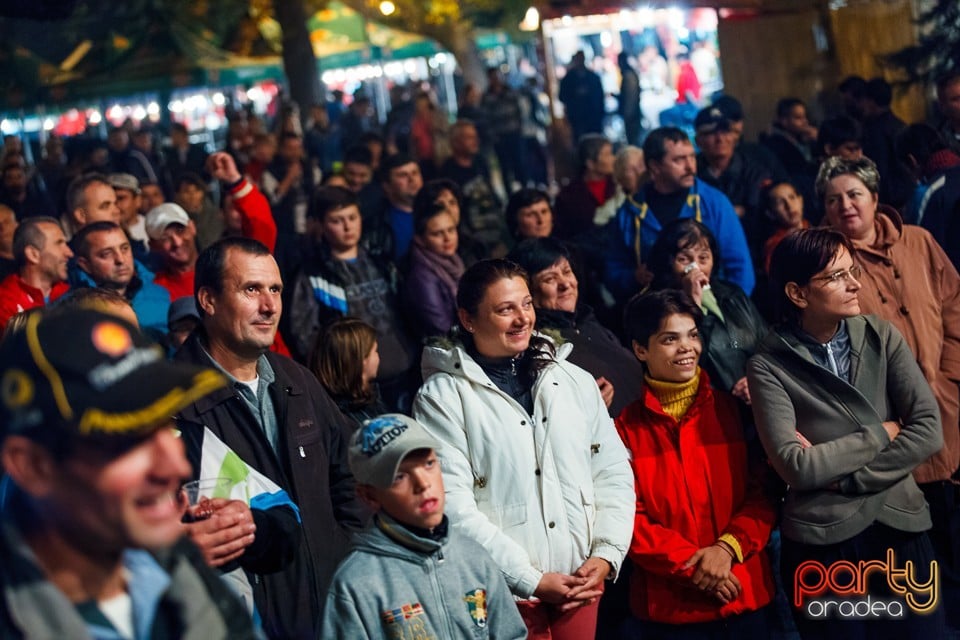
256, 217
16, 296
694, 483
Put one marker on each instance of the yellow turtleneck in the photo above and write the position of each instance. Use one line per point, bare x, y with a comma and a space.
675, 397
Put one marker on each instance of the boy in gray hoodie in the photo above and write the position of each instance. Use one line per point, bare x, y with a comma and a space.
408, 575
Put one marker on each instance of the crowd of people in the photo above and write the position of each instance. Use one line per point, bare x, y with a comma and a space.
447, 403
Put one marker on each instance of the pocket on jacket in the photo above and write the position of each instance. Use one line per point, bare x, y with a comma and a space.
821, 508
511, 515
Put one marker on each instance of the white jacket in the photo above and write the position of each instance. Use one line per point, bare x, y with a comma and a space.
541, 493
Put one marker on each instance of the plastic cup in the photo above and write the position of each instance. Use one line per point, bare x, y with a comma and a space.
198, 493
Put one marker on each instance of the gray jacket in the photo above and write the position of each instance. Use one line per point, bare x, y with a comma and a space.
395, 584
853, 475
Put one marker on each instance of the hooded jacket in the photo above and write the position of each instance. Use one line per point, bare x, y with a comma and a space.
852, 475
909, 281
540, 492
395, 583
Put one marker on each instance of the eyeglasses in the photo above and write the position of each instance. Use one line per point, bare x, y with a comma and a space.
853, 272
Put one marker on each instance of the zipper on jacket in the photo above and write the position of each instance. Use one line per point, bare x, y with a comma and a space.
303, 454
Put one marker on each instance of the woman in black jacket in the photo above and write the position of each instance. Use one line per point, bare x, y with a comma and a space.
683, 258
556, 297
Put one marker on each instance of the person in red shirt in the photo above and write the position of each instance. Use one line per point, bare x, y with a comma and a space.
703, 516
41, 252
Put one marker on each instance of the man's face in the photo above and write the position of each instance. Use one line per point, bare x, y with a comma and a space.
118, 140
678, 168
535, 221
244, 316
15, 180
106, 504
8, 224
129, 204
110, 260
796, 121
190, 197
949, 101
55, 254
466, 141
177, 245
717, 145
99, 204
357, 175
151, 195
403, 184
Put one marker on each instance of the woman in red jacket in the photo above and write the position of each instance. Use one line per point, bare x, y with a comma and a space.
703, 517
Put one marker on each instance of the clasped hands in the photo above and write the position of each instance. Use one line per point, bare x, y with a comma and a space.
713, 572
582, 588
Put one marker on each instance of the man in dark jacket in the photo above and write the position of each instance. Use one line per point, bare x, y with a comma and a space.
278, 419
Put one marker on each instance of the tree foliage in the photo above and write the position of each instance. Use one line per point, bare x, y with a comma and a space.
938, 49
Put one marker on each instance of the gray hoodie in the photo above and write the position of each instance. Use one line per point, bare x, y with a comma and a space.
395, 584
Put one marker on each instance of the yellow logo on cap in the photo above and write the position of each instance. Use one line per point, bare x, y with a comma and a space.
16, 389
110, 338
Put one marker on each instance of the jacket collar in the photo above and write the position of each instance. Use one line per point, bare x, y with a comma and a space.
889, 227
194, 351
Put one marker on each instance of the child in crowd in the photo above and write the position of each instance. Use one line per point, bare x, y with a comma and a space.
409, 575
703, 516
345, 358
783, 205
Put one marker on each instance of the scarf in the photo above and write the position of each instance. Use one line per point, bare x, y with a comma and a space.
448, 269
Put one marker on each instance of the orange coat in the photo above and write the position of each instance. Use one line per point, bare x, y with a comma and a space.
694, 483
909, 281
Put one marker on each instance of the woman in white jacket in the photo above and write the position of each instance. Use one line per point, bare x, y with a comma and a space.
533, 468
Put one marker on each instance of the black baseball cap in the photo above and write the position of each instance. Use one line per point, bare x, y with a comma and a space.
711, 119
89, 374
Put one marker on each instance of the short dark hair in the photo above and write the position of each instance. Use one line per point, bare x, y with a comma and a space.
854, 85
75, 197
589, 147
208, 272
370, 136
391, 162
358, 154
800, 256
645, 313
178, 127
521, 200
879, 91
89, 298
425, 204
81, 240
920, 141
329, 199
838, 131
786, 105
676, 236
655, 146
536, 254
189, 178
29, 234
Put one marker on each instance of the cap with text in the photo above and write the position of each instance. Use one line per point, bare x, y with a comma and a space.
381, 444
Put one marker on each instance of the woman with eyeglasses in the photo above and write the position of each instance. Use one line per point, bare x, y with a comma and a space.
909, 281
844, 414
